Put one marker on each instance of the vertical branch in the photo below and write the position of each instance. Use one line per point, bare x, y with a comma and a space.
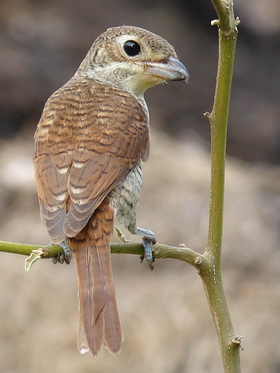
218, 120
211, 273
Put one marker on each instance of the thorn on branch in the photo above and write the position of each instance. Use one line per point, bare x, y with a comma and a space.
121, 235
215, 22
237, 21
236, 342
33, 257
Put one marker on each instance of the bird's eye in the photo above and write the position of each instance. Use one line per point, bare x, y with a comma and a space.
131, 48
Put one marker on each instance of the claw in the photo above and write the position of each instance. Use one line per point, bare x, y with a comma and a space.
65, 255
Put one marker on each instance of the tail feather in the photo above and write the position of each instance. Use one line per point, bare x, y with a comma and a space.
99, 320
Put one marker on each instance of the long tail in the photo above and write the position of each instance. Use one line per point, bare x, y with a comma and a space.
99, 320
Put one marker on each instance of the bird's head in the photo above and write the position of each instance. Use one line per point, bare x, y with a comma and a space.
133, 59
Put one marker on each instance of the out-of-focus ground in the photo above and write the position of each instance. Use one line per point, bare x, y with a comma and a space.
166, 321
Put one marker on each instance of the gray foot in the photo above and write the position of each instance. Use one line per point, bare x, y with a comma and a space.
149, 239
65, 255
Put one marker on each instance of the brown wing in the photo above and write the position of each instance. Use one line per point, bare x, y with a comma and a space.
89, 137
52, 191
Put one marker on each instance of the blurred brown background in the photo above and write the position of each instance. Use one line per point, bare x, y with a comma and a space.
166, 321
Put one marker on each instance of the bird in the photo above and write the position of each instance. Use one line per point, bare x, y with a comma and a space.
90, 143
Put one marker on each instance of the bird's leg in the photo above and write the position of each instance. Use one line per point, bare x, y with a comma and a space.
149, 239
65, 256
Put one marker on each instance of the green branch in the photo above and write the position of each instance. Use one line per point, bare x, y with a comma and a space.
160, 251
211, 275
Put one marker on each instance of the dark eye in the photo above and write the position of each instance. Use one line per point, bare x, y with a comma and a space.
131, 48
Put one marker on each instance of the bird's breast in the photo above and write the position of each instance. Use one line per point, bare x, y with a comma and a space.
125, 196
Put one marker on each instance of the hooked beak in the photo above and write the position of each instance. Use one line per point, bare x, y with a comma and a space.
173, 69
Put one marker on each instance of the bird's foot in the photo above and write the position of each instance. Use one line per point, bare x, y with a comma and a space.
148, 239
65, 255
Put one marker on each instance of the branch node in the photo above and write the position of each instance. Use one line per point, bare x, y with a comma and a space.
215, 22
156, 249
198, 260
236, 342
45, 253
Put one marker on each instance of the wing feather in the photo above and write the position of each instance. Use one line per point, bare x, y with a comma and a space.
88, 139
